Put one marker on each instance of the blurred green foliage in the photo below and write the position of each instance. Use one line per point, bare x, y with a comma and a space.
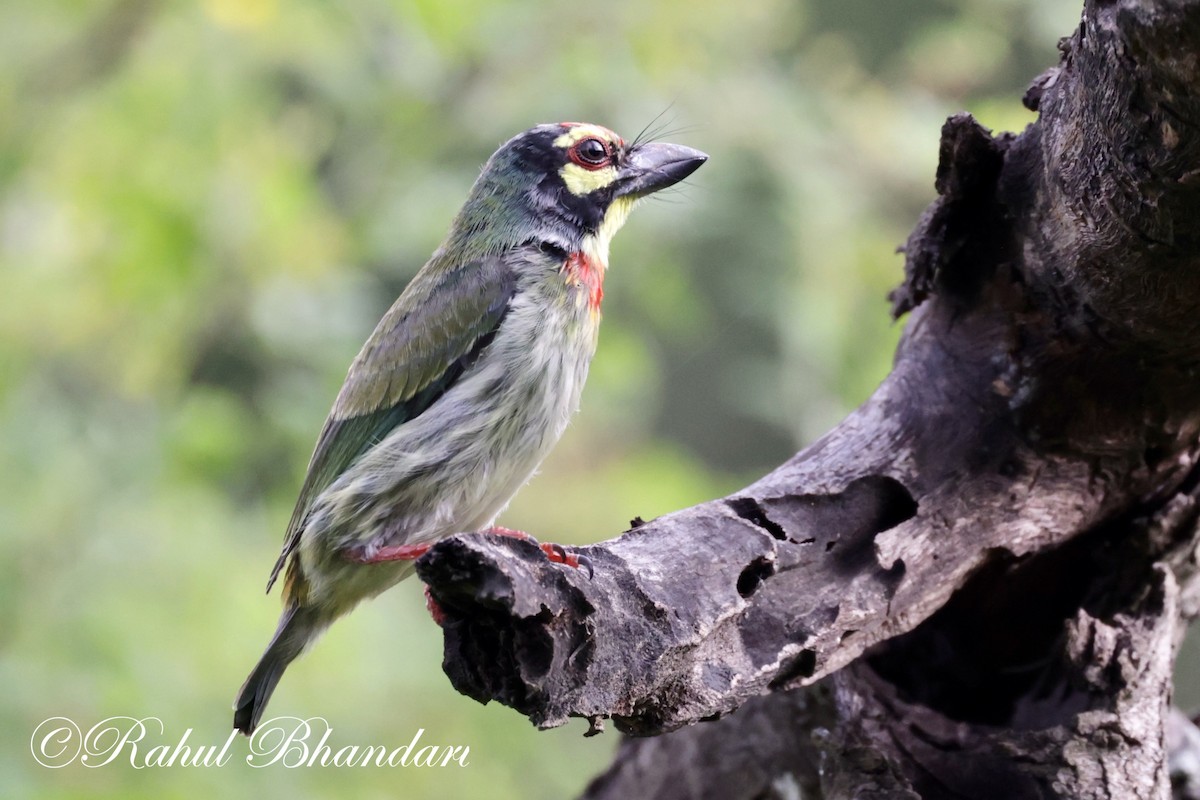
204, 209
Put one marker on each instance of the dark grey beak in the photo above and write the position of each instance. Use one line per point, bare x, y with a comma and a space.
654, 166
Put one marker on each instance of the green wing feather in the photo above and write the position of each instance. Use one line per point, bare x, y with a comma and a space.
425, 341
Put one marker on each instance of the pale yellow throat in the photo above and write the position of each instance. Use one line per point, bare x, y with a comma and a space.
595, 245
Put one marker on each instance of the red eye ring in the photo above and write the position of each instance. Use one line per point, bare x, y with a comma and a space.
591, 153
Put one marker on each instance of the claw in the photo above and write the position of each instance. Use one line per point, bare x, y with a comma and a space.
558, 554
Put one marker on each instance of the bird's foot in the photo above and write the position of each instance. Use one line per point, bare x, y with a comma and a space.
558, 554
410, 552
380, 555
435, 610
555, 552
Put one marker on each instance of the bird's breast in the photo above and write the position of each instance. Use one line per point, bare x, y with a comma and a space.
454, 467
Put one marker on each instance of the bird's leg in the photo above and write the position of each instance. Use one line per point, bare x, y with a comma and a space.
398, 552
502, 531
410, 552
555, 552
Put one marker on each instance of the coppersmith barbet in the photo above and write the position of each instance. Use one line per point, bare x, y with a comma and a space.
468, 380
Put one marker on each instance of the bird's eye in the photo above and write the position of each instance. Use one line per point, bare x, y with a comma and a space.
590, 153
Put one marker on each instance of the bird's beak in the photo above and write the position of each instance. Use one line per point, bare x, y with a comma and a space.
654, 166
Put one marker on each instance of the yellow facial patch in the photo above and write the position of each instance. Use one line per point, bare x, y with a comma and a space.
580, 180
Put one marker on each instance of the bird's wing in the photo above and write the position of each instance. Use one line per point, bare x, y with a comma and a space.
432, 333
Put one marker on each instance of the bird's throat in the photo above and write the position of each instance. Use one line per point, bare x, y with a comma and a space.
596, 244
585, 267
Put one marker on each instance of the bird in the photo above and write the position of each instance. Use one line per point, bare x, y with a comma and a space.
466, 383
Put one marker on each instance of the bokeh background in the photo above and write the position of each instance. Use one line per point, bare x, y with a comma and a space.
206, 206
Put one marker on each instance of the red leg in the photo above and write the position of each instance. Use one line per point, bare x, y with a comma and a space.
399, 552
499, 531
410, 552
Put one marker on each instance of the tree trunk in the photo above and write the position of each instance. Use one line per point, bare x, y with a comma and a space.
976, 584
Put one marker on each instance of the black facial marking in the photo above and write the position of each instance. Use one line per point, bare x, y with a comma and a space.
539, 161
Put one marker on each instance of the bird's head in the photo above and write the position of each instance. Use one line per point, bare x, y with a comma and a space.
571, 184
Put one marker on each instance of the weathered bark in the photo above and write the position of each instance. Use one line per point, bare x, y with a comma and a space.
984, 572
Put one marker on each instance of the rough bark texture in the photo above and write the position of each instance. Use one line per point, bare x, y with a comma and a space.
976, 584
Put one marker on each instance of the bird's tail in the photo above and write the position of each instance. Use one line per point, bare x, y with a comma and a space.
298, 626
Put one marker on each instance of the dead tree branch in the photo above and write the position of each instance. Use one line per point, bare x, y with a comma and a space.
984, 571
